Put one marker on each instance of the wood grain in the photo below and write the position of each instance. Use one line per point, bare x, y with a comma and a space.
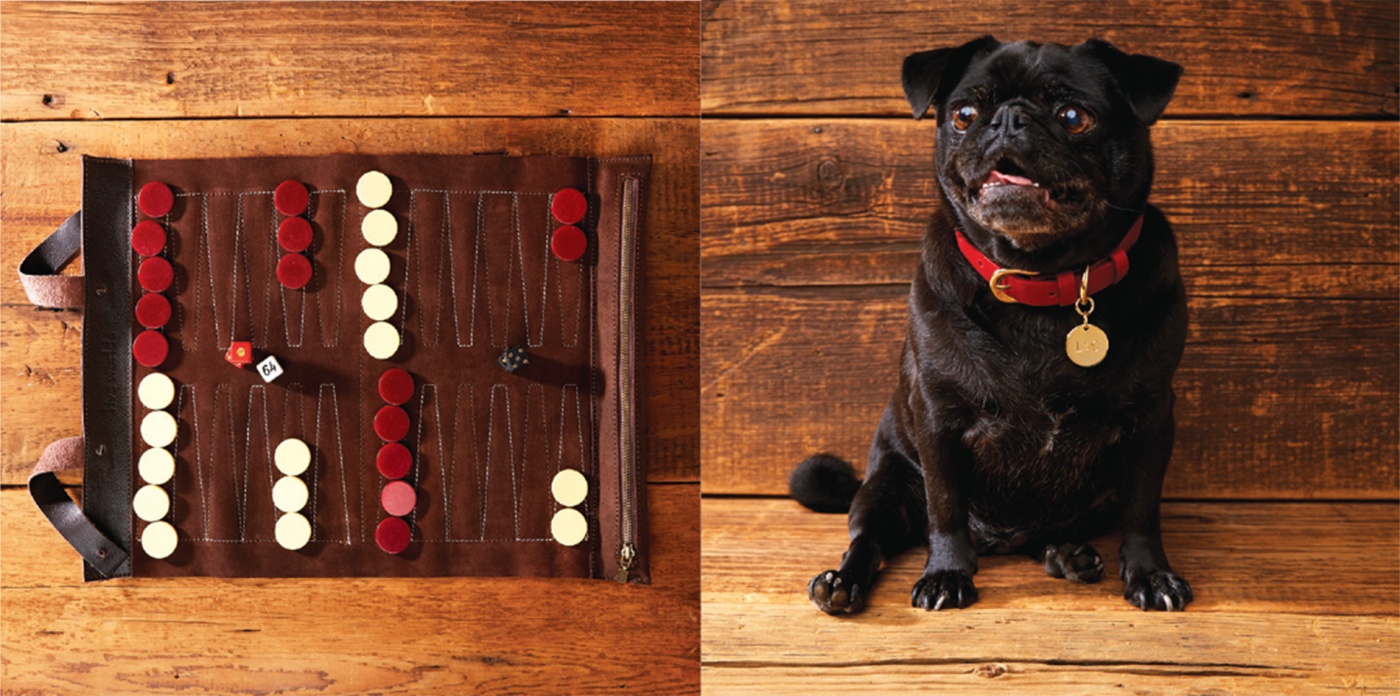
192, 60
1277, 58
1276, 610
846, 201
39, 376
1277, 398
348, 636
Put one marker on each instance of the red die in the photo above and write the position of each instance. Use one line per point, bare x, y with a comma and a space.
240, 354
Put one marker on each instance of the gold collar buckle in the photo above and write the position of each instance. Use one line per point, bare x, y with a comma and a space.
999, 290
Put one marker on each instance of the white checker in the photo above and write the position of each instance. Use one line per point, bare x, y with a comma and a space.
372, 266
158, 429
379, 302
292, 457
150, 503
374, 189
379, 227
159, 540
289, 494
156, 465
293, 531
156, 391
569, 487
568, 527
381, 340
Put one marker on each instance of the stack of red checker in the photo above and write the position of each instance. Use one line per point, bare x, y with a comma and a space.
394, 461
155, 274
291, 198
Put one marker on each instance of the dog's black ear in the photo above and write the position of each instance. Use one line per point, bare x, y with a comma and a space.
930, 75
1146, 82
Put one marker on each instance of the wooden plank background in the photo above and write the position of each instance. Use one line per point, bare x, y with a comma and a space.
242, 79
1267, 59
1278, 173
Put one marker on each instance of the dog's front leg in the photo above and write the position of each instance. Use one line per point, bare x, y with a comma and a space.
1148, 580
952, 561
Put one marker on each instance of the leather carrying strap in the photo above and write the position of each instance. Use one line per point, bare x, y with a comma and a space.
101, 553
39, 271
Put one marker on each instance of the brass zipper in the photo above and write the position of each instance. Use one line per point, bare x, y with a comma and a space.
627, 553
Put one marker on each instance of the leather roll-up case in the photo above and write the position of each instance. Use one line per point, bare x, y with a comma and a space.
507, 301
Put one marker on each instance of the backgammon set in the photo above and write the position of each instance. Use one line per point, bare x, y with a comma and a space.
353, 365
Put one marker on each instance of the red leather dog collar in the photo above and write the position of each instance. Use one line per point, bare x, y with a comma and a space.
1061, 289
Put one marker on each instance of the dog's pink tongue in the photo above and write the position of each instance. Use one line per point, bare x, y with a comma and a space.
999, 178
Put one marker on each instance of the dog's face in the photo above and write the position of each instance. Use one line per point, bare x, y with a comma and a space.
1039, 144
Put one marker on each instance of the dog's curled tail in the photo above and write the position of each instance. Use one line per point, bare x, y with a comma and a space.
824, 483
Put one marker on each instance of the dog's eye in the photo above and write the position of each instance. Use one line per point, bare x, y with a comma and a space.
1075, 120
963, 116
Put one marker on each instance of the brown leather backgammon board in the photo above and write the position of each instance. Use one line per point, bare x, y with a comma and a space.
403, 365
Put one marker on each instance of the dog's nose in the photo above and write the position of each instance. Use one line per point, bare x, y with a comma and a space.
1010, 119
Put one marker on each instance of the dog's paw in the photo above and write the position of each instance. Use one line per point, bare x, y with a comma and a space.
1076, 563
944, 589
834, 593
1157, 589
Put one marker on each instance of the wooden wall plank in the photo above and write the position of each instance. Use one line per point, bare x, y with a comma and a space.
349, 636
1269, 617
196, 60
1276, 398
846, 201
41, 180
1330, 58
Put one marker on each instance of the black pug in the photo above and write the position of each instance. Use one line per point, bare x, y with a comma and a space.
1017, 426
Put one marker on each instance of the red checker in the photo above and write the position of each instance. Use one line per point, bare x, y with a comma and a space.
393, 535
393, 461
568, 243
391, 424
291, 197
156, 199
396, 386
568, 206
398, 498
155, 274
294, 234
294, 271
150, 348
153, 310
148, 238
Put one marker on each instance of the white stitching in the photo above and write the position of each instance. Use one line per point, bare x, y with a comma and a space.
484, 254
544, 283
490, 443
476, 276
209, 266
520, 255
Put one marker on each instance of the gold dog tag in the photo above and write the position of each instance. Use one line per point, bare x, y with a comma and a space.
1086, 345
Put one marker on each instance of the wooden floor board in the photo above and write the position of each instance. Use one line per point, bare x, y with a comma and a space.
239, 59
348, 635
1290, 598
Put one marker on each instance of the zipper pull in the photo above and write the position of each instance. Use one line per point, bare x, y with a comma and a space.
625, 558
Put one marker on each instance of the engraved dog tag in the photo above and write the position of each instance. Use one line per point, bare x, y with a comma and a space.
1086, 345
